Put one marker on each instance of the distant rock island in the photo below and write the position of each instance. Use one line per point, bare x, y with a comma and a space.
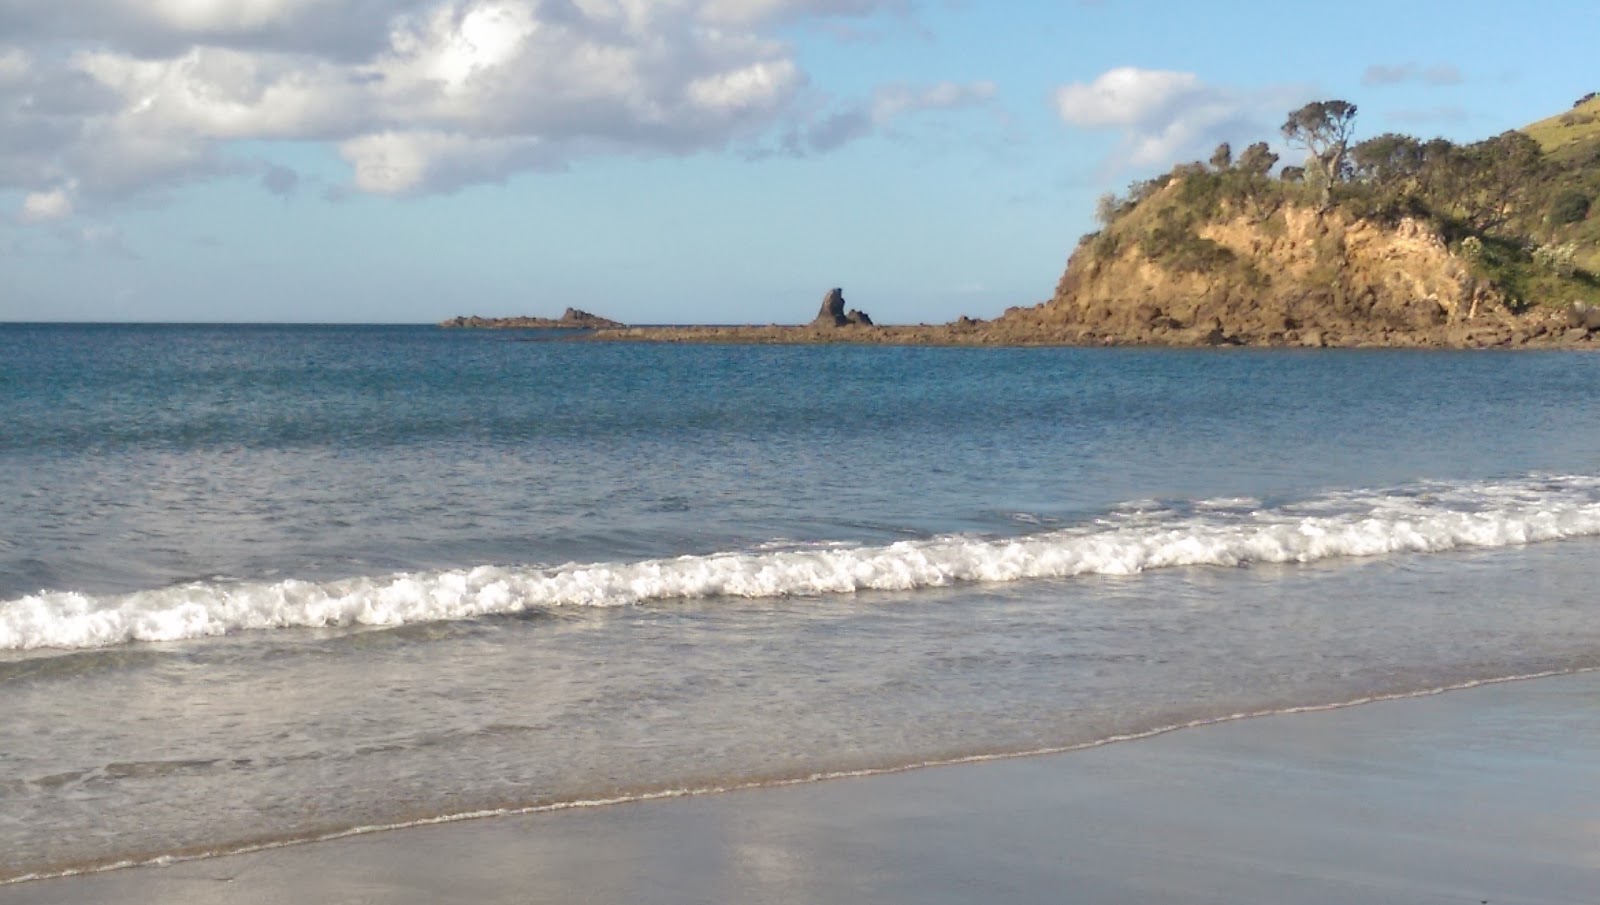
1389, 242
572, 318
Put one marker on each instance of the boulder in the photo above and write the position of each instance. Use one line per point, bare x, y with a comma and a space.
1584, 315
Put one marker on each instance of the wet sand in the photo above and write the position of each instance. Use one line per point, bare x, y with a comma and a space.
1485, 795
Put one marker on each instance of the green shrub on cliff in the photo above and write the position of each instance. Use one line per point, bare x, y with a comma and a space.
1570, 206
1500, 197
1176, 244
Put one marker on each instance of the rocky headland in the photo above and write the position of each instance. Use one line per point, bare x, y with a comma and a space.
1389, 242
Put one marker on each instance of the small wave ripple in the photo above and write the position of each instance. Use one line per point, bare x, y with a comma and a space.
1421, 518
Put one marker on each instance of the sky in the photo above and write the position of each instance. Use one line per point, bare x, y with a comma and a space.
676, 161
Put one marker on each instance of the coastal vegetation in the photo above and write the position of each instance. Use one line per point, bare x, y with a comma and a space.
1391, 240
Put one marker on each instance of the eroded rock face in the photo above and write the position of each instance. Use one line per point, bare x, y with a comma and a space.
833, 313
1299, 276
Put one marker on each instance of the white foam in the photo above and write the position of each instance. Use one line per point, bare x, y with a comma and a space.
1420, 519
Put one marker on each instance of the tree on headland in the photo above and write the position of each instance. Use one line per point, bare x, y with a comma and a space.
1257, 160
1107, 208
1323, 128
1222, 157
1519, 209
1391, 162
1510, 170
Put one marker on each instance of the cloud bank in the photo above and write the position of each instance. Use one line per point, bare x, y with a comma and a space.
102, 99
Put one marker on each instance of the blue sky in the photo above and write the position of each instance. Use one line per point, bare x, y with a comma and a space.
679, 161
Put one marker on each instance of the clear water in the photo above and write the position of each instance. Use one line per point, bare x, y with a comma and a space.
268, 583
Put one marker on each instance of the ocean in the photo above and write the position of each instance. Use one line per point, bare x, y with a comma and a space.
270, 584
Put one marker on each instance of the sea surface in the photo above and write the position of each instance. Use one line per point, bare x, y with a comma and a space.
265, 584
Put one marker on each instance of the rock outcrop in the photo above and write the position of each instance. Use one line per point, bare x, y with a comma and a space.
1293, 276
572, 318
833, 313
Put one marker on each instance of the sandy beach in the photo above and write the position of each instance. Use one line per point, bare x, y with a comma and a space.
1489, 794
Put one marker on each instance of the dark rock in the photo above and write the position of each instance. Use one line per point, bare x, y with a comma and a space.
833, 312
571, 318
574, 317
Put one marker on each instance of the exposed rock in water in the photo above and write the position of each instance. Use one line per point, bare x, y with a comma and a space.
572, 318
833, 313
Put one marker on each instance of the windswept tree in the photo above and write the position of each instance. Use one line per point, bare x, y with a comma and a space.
1446, 174
1107, 208
1391, 162
1509, 170
1222, 157
1257, 160
1323, 128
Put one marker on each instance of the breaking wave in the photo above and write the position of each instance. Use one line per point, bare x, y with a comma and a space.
1421, 518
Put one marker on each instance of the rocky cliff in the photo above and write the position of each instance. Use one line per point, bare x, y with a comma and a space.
1297, 276
1395, 242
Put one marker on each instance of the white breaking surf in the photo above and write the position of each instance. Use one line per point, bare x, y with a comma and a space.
1424, 518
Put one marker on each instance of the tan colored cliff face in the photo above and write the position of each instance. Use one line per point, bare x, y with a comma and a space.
1296, 276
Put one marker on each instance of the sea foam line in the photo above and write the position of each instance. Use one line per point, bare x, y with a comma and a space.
644, 796
1419, 519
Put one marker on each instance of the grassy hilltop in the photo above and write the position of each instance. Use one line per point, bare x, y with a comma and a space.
1389, 241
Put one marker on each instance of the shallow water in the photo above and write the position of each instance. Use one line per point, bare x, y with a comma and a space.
272, 582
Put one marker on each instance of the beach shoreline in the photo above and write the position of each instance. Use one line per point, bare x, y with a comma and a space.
1469, 794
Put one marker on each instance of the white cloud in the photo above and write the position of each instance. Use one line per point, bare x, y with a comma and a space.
746, 12
219, 15
1125, 96
14, 64
1163, 116
895, 100
39, 207
889, 104
418, 95
399, 163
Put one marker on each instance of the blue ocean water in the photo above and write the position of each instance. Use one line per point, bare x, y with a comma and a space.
266, 583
